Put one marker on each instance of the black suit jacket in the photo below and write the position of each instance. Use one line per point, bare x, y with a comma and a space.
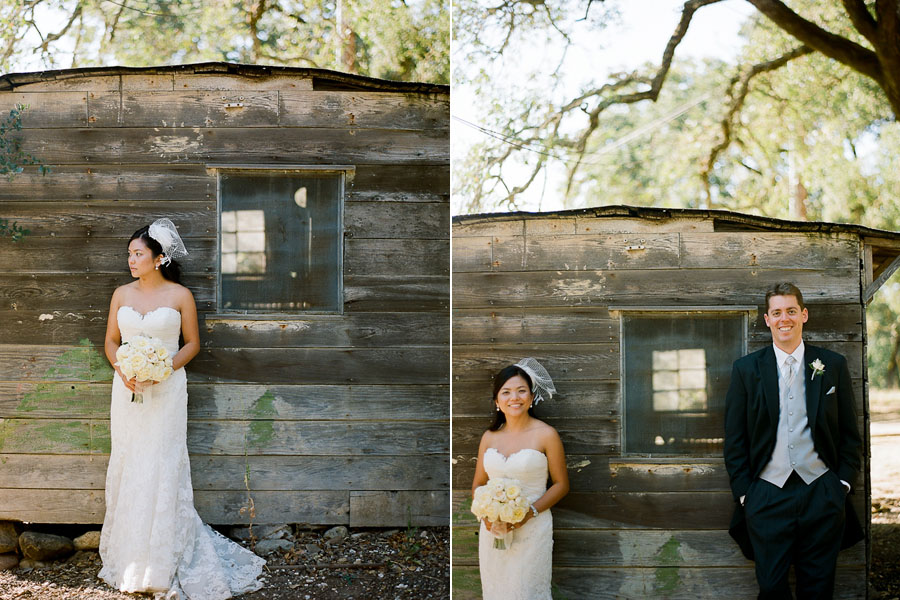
751, 424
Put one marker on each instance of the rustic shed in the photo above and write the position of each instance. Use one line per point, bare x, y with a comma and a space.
638, 314
315, 207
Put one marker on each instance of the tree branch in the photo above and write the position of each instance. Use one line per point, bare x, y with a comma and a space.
862, 19
738, 90
833, 46
52, 37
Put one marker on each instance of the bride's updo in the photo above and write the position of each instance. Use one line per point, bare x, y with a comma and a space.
170, 270
500, 378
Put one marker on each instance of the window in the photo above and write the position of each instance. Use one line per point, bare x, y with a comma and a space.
280, 243
676, 367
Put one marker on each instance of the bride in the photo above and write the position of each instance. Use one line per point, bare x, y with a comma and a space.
153, 540
519, 446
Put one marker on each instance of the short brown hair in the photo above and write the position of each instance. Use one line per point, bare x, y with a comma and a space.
785, 289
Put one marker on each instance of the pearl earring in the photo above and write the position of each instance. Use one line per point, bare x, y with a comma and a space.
157, 267
497, 408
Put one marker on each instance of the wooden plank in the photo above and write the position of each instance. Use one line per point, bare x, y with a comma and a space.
555, 226
221, 508
323, 365
588, 224
223, 473
541, 325
397, 257
401, 183
107, 83
49, 109
775, 250
55, 399
579, 436
191, 108
76, 292
564, 362
217, 81
385, 293
235, 438
714, 287
364, 110
103, 182
675, 583
397, 220
361, 330
489, 228
73, 222
472, 254
54, 255
367, 330
239, 145
597, 251
399, 508
586, 472
668, 582
637, 548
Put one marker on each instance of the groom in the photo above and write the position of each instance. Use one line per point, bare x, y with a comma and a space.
792, 450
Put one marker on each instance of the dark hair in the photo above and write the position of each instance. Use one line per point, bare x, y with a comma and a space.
785, 289
499, 379
171, 271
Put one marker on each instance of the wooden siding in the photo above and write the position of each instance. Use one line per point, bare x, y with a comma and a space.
631, 526
336, 418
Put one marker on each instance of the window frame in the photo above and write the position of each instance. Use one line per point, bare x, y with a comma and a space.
345, 173
748, 314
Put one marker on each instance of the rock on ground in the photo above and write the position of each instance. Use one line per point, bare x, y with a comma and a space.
8, 561
9, 539
87, 541
44, 546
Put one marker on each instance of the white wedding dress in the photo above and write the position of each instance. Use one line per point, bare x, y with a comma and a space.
522, 570
153, 539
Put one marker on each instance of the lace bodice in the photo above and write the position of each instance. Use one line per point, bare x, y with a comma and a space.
529, 466
163, 323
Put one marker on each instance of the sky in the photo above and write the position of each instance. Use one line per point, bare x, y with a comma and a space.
636, 40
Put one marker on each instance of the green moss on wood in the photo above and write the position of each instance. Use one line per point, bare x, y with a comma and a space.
668, 578
83, 363
463, 514
262, 428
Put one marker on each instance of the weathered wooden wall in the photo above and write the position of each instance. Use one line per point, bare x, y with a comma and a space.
631, 527
336, 418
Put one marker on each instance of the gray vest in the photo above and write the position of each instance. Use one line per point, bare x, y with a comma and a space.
794, 450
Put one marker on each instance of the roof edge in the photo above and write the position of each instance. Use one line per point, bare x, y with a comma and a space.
11, 81
724, 219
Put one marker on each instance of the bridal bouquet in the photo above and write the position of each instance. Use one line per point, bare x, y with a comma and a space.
145, 359
500, 500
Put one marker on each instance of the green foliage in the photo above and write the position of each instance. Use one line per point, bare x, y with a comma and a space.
393, 39
12, 157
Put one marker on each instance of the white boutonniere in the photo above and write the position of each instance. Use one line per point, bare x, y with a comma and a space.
817, 367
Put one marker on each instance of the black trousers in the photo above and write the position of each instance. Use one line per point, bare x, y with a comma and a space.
798, 524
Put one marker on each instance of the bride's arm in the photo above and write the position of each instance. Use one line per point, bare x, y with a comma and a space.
189, 329
559, 475
113, 337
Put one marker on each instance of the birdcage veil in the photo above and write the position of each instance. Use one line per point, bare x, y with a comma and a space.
164, 231
541, 385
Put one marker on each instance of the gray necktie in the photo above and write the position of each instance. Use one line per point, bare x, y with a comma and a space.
788, 371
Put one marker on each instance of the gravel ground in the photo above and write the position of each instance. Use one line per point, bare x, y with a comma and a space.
394, 564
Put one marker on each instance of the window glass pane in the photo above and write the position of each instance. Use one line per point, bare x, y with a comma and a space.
676, 374
280, 241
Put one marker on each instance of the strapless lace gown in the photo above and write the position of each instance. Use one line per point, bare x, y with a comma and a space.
522, 571
153, 539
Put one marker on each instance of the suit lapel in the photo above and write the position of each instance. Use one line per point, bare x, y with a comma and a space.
813, 386
768, 372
